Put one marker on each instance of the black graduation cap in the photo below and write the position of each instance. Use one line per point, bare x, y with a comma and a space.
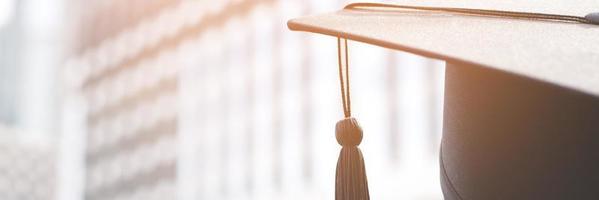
521, 108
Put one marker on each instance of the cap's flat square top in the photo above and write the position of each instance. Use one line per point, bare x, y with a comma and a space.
561, 53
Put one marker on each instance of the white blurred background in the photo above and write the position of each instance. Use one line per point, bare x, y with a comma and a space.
197, 99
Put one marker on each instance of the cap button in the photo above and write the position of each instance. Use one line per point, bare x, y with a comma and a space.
593, 18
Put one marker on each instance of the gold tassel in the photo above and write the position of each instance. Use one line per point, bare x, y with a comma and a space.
350, 179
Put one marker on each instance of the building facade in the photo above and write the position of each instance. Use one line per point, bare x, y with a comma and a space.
218, 100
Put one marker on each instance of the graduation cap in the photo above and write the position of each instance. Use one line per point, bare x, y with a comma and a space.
521, 108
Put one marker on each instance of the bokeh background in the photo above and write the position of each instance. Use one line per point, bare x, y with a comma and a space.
198, 99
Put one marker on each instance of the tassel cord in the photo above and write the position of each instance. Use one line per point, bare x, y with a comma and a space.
344, 80
591, 18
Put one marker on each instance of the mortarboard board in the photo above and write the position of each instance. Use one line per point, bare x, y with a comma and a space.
521, 109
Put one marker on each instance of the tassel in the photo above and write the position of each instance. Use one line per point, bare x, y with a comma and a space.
350, 178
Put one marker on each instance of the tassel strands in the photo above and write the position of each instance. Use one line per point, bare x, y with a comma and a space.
351, 182
350, 178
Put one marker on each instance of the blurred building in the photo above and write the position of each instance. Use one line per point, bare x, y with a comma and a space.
28, 98
218, 100
9, 63
130, 90
27, 167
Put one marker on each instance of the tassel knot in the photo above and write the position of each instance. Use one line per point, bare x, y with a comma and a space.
348, 132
